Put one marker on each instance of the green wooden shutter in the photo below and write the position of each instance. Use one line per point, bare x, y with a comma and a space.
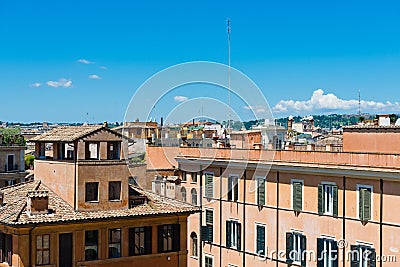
355, 256
229, 188
289, 247
236, 188
372, 257
203, 233
209, 223
335, 200
335, 253
228, 234
303, 247
147, 239
297, 196
360, 204
320, 252
367, 205
321, 201
209, 185
261, 192
260, 240
176, 238
239, 236
160, 239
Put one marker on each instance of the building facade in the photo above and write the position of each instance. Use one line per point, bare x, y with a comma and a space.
84, 209
269, 208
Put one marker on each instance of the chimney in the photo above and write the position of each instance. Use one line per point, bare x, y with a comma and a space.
290, 123
162, 122
37, 202
105, 124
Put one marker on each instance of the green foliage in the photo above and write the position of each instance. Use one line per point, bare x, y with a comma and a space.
29, 161
11, 136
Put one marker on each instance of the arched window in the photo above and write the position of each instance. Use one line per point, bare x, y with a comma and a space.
194, 196
183, 192
193, 240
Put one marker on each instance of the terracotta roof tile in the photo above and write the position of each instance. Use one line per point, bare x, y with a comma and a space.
66, 133
13, 211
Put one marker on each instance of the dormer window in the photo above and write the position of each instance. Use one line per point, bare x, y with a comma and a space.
37, 202
136, 198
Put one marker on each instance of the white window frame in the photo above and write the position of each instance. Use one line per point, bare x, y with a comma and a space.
208, 256
232, 177
292, 181
297, 246
7, 160
360, 254
328, 241
371, 187
234, 236
265, 237
331, 184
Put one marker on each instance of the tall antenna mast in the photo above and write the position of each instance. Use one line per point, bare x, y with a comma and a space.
229, 74
359, 103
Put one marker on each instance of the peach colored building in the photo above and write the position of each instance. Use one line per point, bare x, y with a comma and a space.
82, 210
269, 208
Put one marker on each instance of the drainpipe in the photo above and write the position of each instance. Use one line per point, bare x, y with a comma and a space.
75, 160
30, 246
201, 217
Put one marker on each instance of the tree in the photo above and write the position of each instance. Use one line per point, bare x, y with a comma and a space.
29, 161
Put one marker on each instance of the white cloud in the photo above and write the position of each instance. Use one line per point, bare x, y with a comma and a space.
94, 76
66, 83
180, 98
36, 85
256, 109
320, 102
103, 67
85, 61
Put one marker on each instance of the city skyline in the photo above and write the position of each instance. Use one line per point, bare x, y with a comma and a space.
84, 61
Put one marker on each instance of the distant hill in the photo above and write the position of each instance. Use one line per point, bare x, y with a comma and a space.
334, 121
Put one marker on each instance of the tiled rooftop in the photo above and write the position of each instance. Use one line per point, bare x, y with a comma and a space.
66, 133
13, 211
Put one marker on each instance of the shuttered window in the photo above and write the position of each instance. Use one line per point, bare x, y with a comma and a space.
327, 253
362, 256
328, 199
207, 230
364, 203
209, 185
233, 188
297, 196
260, 240
233, 234
295, 248
260, 191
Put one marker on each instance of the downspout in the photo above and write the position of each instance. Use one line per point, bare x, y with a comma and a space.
380, 224
277, 219
30, 246
201, 216
344, 219
244, 219
75, 160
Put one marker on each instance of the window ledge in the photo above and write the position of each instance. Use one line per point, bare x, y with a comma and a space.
114, 200
92, 201
194, 257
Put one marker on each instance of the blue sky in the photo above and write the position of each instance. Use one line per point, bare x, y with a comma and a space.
307, 57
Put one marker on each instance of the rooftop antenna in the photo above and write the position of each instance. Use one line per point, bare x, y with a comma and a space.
229, 73
359, 103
